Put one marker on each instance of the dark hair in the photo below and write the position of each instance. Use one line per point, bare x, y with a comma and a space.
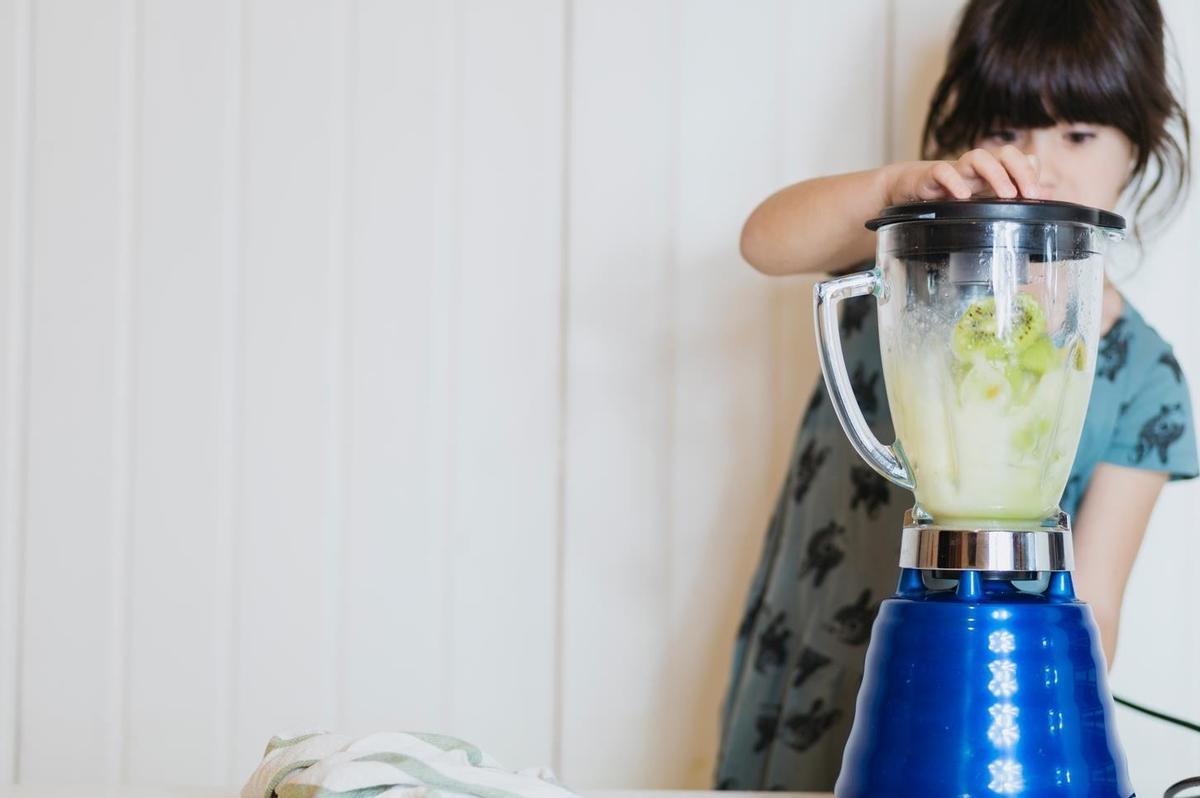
1034, 63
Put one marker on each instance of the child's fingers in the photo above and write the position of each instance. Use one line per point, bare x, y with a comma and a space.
944, 176
982, 164
1023, 169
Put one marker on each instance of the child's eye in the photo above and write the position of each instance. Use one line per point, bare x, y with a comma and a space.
1002, 135
1080, 136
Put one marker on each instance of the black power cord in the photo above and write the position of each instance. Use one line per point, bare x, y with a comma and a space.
1176, 789
1187, 724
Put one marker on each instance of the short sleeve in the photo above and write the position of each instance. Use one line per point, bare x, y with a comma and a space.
1154, 429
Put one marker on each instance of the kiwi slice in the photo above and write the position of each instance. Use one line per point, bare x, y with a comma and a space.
1040, 356
977, 329
1077, 355
1021, 381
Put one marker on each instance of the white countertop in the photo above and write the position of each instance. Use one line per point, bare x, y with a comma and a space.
87, 791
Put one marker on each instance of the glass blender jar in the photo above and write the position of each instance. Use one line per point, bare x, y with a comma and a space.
989, 320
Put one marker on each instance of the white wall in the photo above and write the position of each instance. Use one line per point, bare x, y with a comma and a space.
390, 364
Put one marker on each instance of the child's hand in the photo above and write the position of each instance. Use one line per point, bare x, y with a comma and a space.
979, 173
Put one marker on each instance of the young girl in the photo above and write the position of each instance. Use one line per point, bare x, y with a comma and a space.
1064, 101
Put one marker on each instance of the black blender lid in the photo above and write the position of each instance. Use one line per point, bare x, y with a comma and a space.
997, 210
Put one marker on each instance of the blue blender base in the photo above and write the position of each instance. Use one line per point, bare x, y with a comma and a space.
984, 690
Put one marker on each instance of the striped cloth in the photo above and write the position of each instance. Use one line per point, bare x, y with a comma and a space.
390, 765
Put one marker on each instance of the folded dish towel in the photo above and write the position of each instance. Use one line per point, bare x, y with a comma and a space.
390, 765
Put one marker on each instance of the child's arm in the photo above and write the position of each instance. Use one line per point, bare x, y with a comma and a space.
817, 225
1109, 528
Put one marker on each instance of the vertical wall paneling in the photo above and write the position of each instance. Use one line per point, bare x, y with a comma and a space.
503, 536
920, 36
393, 545
721, 409
124, 375
337, 374
834, 62
179, 567
67, 646
288, 567
14, 280
623, 167
442, 390
229, 411
564, 353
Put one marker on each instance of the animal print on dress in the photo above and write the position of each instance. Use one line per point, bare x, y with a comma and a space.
852, 623
773, 644
803, 730
807, 467
810, 662
1114, 351
823, 554
765, 726
870, 490
1160, 432
748, 619
1168, 359
864, 390
854, 314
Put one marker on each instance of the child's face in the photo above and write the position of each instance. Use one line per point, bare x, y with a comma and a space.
1084, 163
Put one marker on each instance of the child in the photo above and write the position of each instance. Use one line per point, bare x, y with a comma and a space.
1065, 101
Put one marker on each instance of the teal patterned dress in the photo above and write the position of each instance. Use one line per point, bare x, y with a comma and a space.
833, 542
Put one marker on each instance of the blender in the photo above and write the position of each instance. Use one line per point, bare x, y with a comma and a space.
984, 674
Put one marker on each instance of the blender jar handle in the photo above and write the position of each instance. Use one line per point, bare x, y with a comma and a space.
826, 297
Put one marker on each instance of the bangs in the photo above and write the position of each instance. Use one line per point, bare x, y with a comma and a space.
1040, 63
